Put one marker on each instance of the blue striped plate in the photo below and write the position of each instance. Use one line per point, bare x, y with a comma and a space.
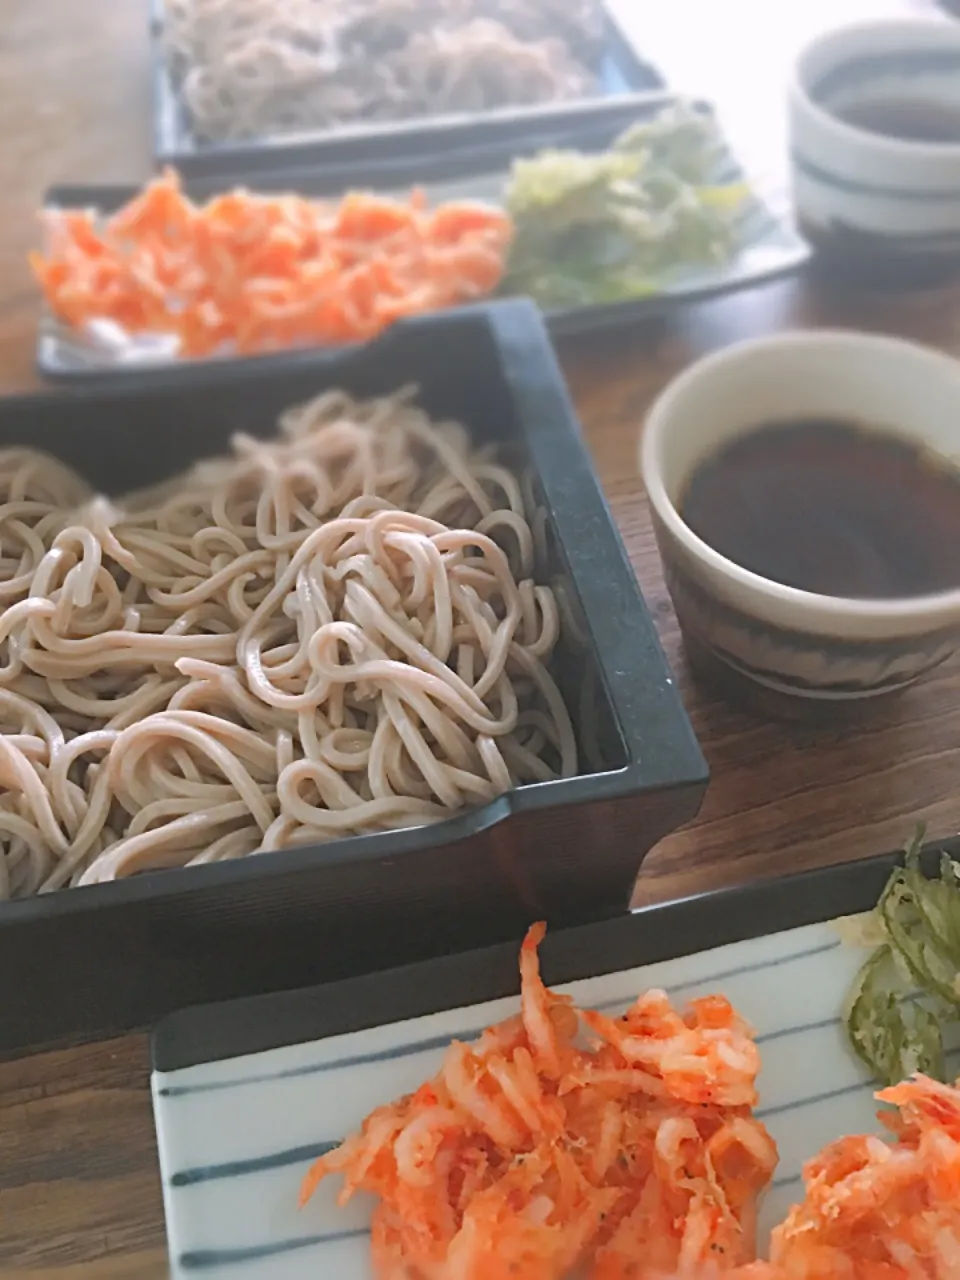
236, 1134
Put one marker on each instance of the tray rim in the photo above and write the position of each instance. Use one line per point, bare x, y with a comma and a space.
559, 127
229, 1029
583, 130
552, 433
172, 143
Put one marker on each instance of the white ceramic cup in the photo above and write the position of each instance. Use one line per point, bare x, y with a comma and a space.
856, 192
791, 641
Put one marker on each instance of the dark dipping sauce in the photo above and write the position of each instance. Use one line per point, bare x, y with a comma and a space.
905, 120
830, 507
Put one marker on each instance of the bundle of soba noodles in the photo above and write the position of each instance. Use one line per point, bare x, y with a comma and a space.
252, 68
332, 633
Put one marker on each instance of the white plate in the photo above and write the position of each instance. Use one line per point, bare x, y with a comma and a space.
236, 1136
766, 246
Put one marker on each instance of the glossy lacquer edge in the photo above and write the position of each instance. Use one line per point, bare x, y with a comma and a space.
652, 719
172, 143
661, 745
213, 1033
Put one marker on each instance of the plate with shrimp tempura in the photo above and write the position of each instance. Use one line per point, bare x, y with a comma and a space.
670, 1116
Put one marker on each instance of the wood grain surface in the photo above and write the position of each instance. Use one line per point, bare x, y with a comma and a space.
79, 1188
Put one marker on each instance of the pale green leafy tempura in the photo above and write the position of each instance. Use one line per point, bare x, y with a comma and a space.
908, 990
595, 228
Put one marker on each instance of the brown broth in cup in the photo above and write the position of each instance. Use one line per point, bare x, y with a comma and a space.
831, 507
904, 120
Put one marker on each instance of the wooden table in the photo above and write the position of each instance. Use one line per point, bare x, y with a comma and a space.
79, 1188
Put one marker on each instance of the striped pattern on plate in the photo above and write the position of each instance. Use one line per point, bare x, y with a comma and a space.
236, 1136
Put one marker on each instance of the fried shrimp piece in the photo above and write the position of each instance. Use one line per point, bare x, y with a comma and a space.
533, 1153
879, 1211
876, 1210
706, 1056
549, 1032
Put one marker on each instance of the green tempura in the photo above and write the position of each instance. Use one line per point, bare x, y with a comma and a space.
910, 986
595, 228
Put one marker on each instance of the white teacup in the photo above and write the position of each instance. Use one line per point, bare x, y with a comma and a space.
787, 640
860, 194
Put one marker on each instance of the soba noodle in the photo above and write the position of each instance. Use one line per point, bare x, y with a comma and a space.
332, 633
249, 68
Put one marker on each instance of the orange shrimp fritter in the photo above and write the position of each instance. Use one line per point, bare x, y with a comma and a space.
529, 1154
875, 1210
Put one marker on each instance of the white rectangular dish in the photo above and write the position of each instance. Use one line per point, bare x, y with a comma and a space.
237, 1130
765, 245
